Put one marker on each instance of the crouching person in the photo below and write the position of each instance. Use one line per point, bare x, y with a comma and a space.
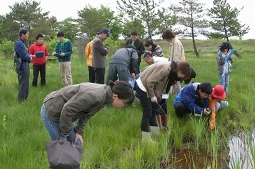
80, 102
216, 104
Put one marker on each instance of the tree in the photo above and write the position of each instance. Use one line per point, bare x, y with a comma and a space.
130, 26
191, 16
148, 11
69, 27
225, 21
93, 20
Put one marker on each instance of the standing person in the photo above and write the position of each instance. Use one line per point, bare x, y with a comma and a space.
176, 53
99, 55
23, 73
216, 104
139, 48
88, 53
122, 65
224, 65
39, 63
80, 102
156, 50
64, 51
149, 87
193, 98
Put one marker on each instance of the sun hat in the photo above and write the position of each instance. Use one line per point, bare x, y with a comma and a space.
218, 92
225, 45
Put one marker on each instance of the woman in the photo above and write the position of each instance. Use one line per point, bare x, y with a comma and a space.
154, 49
149, 87
79, 103
224, 65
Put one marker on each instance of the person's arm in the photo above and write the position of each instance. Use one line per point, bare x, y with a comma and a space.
140, 50
21, 51
87, 50
220, 58
57, 50
78, 103
179, 52
98, 45
133, 63
189, 100
31, 50
69, 49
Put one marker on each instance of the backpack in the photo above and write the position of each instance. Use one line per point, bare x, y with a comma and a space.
17, 62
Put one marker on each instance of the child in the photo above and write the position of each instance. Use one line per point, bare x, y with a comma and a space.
224, 65
216, 104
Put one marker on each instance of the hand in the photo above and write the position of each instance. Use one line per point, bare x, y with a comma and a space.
33, 56
207, 111
154, 99
53, 53
62, 54
132, 75
78, 137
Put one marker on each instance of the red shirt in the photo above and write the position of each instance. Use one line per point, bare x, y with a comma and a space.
38, 48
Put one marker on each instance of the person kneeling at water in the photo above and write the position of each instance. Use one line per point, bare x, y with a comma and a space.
80, 102
193, 98
216, 104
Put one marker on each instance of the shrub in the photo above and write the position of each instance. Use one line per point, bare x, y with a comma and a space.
7, 47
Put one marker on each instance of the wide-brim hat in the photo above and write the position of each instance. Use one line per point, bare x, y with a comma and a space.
219, 92
225, 45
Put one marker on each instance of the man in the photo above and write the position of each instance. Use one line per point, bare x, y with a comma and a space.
64, 51
150, 58
39, 62
139, 48
99, 55
193, 98
122, 65
88, 53
176, 53
23, 72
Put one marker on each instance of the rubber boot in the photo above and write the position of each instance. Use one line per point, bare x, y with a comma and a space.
159, 120
154, 130
146, 136
164, 122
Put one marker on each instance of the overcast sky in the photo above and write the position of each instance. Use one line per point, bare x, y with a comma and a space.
62, 9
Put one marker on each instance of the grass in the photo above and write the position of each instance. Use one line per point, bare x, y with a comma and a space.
112, 138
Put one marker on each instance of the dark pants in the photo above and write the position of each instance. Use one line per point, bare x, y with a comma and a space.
181, 109
99, 75
163, 104
91, 74
137, 69
149, 110
117, 69
23, 78
36, 70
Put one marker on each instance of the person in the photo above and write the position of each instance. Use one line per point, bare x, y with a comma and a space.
80, 102
135, 41
99, 55
150, 58
224, 66
176, 53
88, 53
23, 73
39, 63
122, 65
216, 104
149, 87
64, 51
156, 50
193, 98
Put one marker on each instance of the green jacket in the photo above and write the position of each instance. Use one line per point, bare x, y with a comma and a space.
76, 102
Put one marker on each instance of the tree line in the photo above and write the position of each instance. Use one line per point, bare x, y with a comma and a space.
148, 17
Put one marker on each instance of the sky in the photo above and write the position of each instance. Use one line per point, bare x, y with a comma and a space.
62, 9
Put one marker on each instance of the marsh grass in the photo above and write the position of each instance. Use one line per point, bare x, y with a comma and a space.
112, 138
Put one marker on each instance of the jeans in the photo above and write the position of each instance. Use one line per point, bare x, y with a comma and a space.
149, 110
91, 74
117, 69
99, 75
224, 80
52, 128
36, 70
23, 78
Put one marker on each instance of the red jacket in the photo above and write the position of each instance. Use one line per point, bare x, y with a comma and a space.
38, 48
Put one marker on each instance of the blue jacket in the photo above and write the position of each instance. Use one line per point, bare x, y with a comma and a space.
21, 51
65, 47
188, 95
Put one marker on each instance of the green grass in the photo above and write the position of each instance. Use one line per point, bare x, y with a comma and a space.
112, 138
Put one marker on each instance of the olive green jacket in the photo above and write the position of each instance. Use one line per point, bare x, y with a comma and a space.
76, 102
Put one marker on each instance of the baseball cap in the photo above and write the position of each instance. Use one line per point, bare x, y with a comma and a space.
106, 31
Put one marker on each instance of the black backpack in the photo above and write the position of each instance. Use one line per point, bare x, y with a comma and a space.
17, 62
